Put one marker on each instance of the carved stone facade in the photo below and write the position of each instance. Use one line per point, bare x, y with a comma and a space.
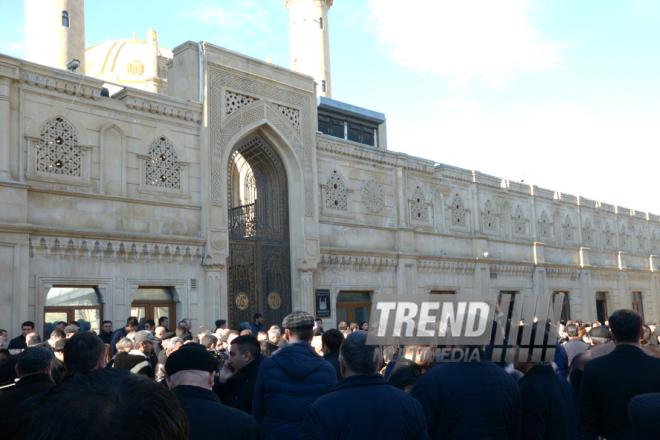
133, 191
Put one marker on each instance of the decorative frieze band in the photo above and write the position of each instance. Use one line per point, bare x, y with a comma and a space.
605, 274
150, 106
359, 264
451, 267
75, 248
60, 85
561, 272
511, 270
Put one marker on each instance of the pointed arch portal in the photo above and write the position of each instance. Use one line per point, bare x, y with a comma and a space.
259, 267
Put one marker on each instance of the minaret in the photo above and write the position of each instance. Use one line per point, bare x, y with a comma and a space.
151, 66
55, 32
310, 41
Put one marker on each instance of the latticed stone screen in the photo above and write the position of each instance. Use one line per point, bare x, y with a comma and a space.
163, 169
458, 212
418, 211
58, 151
336, 196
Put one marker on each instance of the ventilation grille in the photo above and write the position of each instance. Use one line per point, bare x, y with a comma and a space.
493, 276
193, 284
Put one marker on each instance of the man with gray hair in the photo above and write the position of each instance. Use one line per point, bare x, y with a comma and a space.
385, 411
173, 344
33, 369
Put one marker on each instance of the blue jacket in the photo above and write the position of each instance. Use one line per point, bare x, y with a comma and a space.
256, 328
470, 400
364, 407
288, 381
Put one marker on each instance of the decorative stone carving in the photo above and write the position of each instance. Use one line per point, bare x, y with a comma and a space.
309, 201
640, 238
545, 227
360, 264
58, 151
519, 222
624, 236
372, 196
568, 230
588, 233
291, 114
336, 194
511, 270
489, 217
235, 101
162, 168
418, 209
608, 236
451, 267
458, 212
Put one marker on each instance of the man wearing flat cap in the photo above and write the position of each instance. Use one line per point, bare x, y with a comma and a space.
290, 380
191, 372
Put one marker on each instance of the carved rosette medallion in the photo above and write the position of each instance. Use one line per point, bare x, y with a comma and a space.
372, 196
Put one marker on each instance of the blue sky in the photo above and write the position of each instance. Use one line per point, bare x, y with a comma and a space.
562, 93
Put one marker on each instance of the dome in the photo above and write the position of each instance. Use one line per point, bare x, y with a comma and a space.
130, 63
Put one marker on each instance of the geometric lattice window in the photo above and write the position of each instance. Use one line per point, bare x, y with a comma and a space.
519, 222
655, 241
545, 226
641, 240
291, 114
489, 218
418, 211
569, 230
458, 212
336, 195
163, 168
608, 236
58, 151
588, 234
234, 101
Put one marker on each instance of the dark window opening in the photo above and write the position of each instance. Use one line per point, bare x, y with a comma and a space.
638, 303
332, 127
355, 132
601, 307
65, 19
321, 22
323, 85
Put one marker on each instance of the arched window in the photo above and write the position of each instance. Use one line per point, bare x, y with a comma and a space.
519, 222
323, 85
609, 236
58, 151
568, 230
336, 195
458, 212
163, 168
65, 19
489, 217
588, 233
418, 211
544, 226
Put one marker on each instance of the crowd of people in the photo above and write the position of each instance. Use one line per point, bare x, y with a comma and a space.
298, 380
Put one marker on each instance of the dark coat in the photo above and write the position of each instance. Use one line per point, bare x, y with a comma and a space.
10, 401
57, 370
7, 363
333, 358
609, 383
549, 406
256, 328
18, 343
383, 412
105, 337
238, 391
134, 363
288, 381
116, 337
210, 419
470, 400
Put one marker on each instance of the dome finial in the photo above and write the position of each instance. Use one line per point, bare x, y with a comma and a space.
152, 32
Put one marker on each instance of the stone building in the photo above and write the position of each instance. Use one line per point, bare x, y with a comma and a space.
244, 189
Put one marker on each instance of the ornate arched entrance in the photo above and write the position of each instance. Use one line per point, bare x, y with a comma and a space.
259, 268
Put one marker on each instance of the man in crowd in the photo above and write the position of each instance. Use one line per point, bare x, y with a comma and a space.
18, 343
289, 380
138, 360
106, 332
549, 403
475, 399
70, 330
165, 322
209, 341
319, 324
239, 374
575, 343
257, 324
220, 324
33, 369
332, 340
55, 336
363, 405
131, 326
609, 382
109, 404
173, 344
149, 325
275, 336
598, 336
7, 362
57, 371
61, 325
32, 339
191, 371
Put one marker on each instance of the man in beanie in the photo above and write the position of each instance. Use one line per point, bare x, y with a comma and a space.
290, 379
191, 372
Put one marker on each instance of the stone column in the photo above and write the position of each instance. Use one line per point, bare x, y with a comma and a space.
5, 128
215, 293
307, 291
